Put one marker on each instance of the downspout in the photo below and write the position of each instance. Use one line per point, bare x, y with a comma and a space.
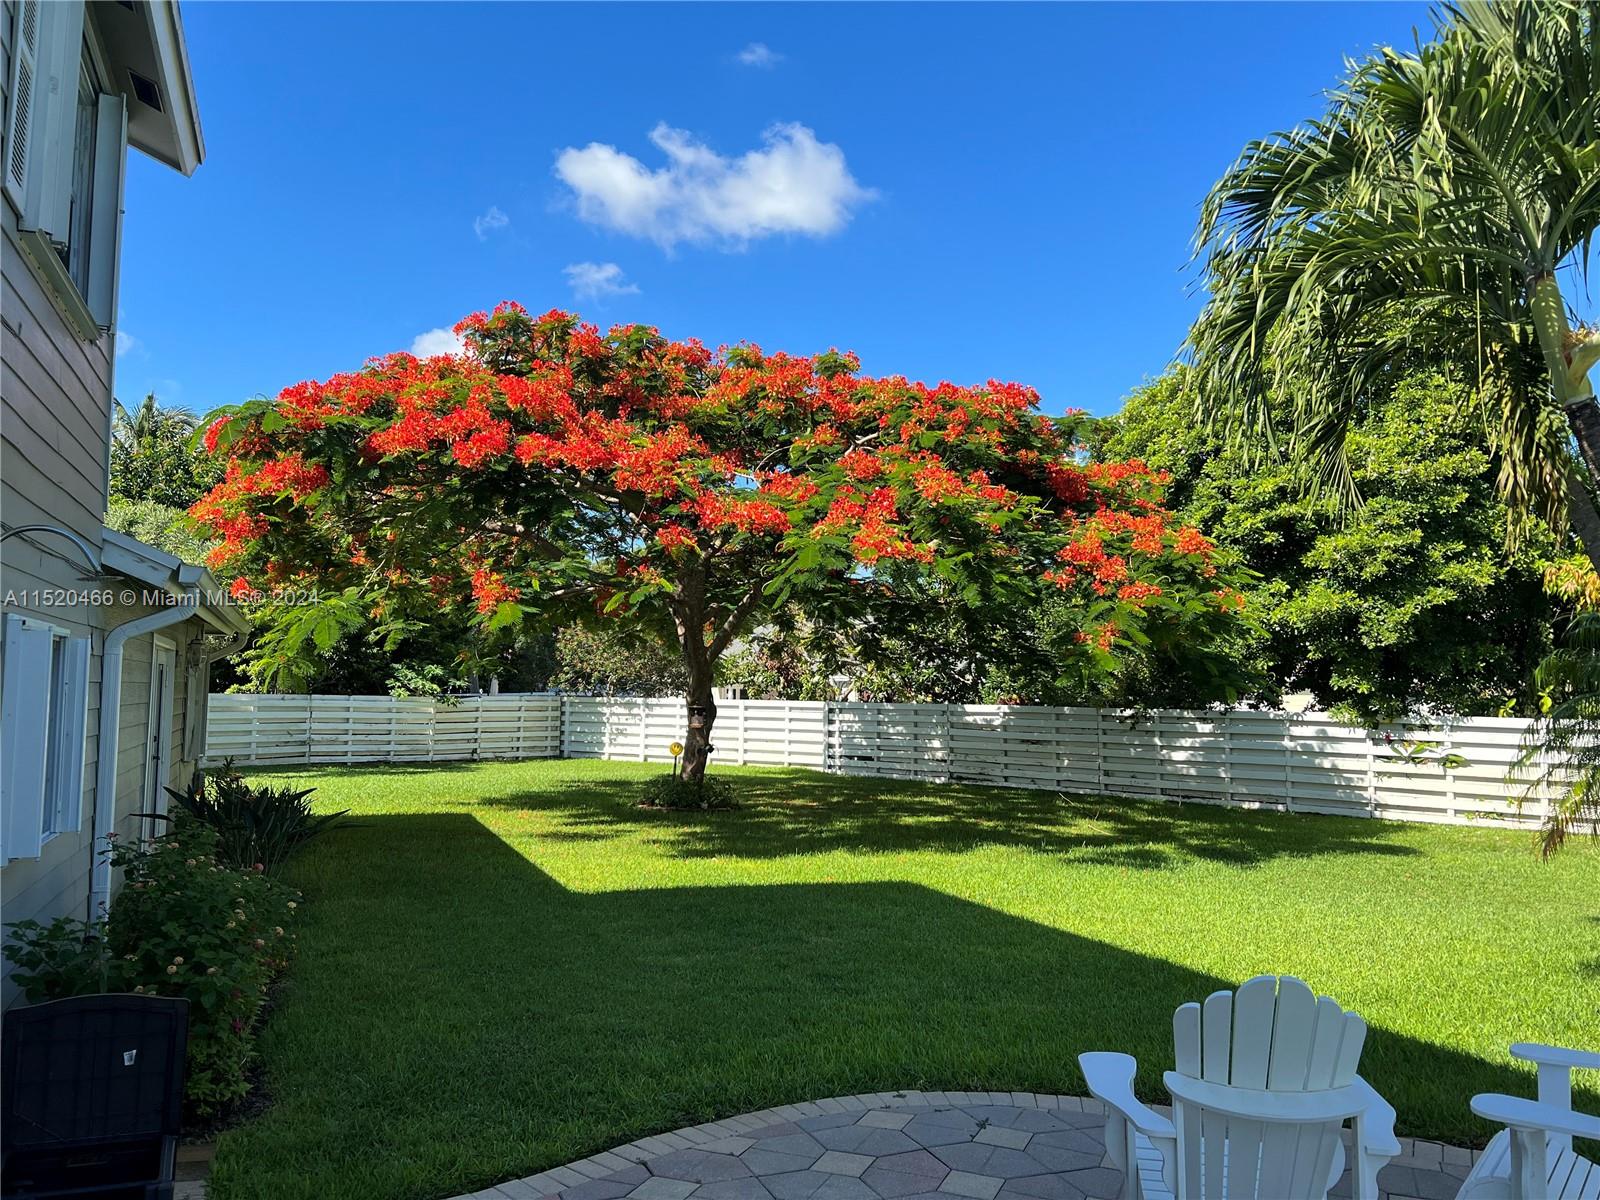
105, 767
232, 646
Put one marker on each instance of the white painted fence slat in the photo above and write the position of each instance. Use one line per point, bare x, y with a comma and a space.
1308, 762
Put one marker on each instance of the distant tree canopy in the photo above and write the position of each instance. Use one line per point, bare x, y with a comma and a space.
612, 659
1410, 599
155, 476
151, 458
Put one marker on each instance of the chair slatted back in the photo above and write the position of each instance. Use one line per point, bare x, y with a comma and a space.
1271, 1035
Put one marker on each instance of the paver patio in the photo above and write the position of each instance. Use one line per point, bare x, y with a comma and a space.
908, 1145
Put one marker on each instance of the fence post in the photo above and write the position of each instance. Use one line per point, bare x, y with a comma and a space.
1099, 749
1372, 777
945, 744
1449, 775
1227, 757
1161, 760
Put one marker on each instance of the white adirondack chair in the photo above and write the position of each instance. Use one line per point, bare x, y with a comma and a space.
1265, 1081
1532, 1157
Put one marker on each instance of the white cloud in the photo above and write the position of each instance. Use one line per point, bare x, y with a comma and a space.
437, 341
596, 281
759, 54
793, 184
490, 221
126, 343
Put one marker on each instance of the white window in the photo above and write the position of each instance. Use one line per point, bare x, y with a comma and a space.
65, 145
44, 697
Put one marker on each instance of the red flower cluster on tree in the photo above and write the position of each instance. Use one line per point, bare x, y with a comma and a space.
550, 467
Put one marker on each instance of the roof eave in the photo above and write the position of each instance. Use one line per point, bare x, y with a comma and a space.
142, 563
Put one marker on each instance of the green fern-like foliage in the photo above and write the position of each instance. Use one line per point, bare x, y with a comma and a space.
1561, 754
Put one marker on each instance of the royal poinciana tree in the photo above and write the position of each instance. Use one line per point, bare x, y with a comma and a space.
551, 472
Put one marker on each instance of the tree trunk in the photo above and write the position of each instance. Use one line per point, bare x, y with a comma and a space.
1584, 420
702, 715
1569, 359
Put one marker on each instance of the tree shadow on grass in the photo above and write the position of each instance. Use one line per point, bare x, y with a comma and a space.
456, 1017
796, 811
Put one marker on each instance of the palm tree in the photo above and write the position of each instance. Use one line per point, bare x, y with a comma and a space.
1560, 756
1433, 212
151, 421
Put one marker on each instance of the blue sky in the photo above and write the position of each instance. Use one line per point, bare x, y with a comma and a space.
954, 192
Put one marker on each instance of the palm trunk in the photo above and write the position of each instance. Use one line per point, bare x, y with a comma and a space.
1584, 420
1569, 357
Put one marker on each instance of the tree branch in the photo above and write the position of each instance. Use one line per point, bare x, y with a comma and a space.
735, 618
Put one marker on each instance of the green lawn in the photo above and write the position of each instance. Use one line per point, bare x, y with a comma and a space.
504, 966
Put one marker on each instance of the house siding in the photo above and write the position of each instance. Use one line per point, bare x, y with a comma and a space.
55, 424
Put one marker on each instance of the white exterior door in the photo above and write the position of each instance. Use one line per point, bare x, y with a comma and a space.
158, 732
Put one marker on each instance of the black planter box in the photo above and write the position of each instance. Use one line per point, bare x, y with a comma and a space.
91, 1095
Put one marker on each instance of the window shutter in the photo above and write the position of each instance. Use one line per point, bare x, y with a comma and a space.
54, 121
72, 703
24, 76
24, 726
105, 227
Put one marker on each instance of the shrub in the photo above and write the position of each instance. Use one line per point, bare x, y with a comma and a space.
182, 925
676, 792
67, 957
254, 825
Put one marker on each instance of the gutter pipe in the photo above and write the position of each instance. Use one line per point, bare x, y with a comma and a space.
105, 766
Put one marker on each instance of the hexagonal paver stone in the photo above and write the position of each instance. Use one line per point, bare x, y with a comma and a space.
777, 1129
829, 1120
838, 1162
941, 1128
995, 1114
729, 1145
608, 1188
657, 1188
1066, 1150
864, 1139
1044, 1187
893, 1184
817, 1185
1037, 1120
977, 1187
773, 1162
1054, 1158
885, 1118
698, 1166
1096, 1181
792, 1143
748, 1188
989, 1160
999, 1135
1079, 1120
913, 1162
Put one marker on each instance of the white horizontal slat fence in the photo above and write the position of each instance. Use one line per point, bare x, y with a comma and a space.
1305, 762
261, 730
778, 733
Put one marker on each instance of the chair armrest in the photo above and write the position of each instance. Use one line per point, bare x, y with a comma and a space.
1556, 1056
1517, 1112
1259, 1104
1377, 1122
1110, 1079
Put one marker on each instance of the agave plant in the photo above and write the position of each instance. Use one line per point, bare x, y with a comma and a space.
1560, 757
254, 825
